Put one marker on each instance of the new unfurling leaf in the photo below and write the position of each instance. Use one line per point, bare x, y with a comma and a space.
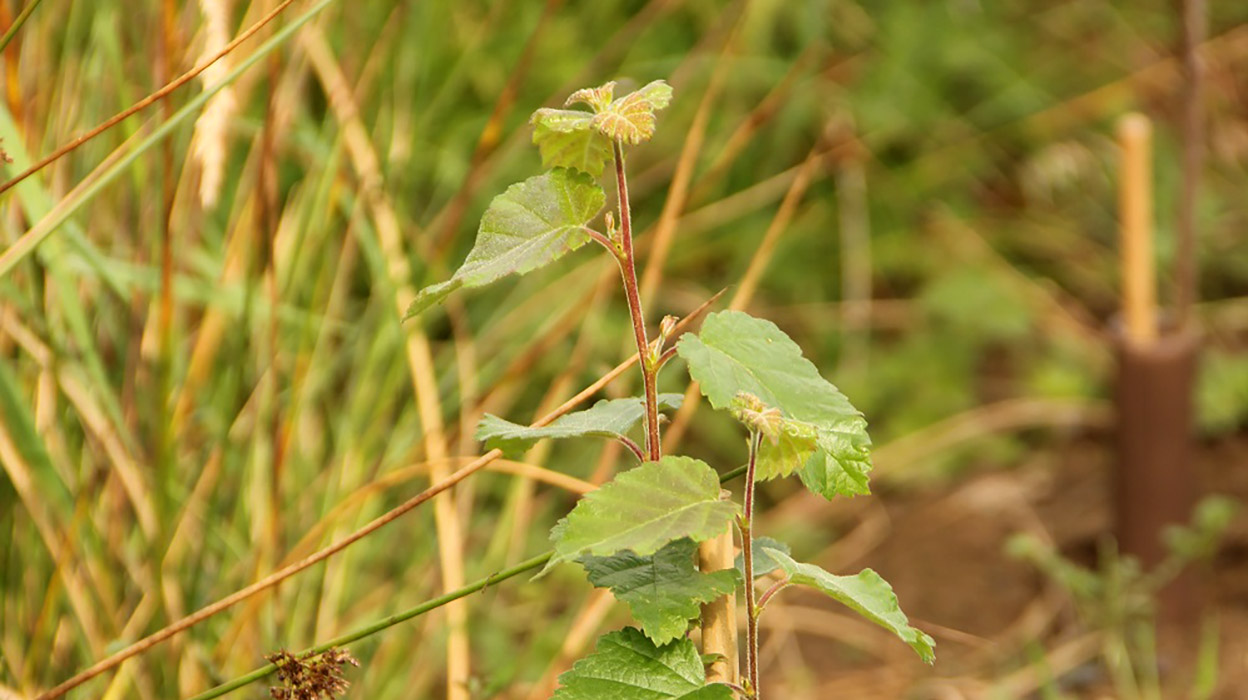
573, 138
566, 139
630, 119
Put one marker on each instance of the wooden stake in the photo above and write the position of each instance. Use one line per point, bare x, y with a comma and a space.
719, 617
1135, 208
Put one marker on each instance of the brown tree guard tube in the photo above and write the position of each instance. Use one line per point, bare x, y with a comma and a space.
1155, 480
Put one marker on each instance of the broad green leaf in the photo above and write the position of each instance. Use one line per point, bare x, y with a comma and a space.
817, 431
627, 666
606, 419
643, 509
867, 594
663, 590
630, 119
566, 139
530, 225
764, 563
828, 476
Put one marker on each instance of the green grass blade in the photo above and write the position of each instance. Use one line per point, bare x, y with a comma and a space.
65, 209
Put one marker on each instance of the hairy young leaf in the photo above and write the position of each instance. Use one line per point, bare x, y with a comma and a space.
630, 119
663, 590
606, 419
530, 225
817, 431
643, 509
567, 139
627, 666
763, 562
866, 594
597, 98
788, 443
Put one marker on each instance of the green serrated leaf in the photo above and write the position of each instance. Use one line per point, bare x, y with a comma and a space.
764, 563
630, 119
819, 432
627, 666
606, 419
566, 139
643, 509
663, 590
530, 225
829, 476
867, 594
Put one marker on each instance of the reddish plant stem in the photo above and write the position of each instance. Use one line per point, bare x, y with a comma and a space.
628, 269
747, 554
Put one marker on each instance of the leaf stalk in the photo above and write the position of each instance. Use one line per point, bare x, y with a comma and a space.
632, 447
770, 593
602, 240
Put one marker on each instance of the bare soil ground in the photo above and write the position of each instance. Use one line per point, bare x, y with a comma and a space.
1002, 629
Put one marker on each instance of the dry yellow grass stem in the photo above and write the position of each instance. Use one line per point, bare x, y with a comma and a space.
419, 356
678, 192
286, 572
208, 145
149, 100
58, 544
584, 629
94, 419
758, 263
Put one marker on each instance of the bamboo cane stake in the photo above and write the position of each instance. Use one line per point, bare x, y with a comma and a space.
719, 617
1135, 208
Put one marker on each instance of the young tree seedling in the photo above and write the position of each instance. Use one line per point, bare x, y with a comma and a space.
637, 534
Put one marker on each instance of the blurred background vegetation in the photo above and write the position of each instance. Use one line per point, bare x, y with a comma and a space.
203, 376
